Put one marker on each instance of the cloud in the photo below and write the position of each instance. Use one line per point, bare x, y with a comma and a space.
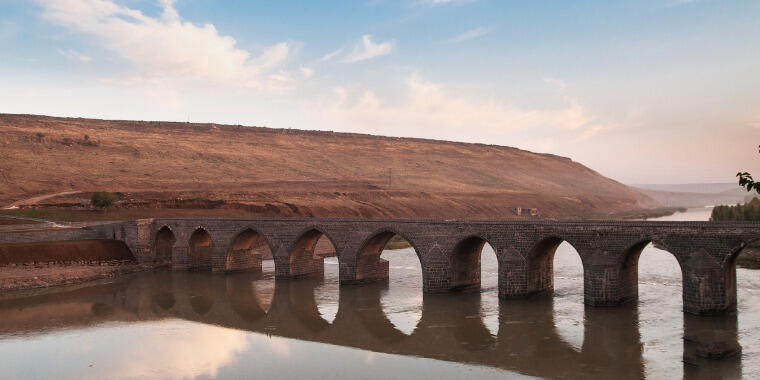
331, 55
470, 34
589, 132
366, 49
429, 109
168, 47
307, 72
202, 352
75, 56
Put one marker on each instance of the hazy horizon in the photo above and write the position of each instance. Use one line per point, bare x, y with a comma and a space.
644, 92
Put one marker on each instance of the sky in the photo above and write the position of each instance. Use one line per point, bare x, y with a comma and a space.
643, 91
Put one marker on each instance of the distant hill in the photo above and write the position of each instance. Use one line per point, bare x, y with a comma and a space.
694, 195
699, 188
295, 172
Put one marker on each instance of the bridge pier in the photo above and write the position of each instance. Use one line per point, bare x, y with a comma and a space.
707, 290
608, 285
436, 273
298, 266
519, 278
218, 258
239, 260
366, 270
607, 282
179, 258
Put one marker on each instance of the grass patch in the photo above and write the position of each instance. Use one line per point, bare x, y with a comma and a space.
46, 214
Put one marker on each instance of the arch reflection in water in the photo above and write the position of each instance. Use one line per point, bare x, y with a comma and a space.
401, 298
450, 329
326, 293
568, 304
659, 279
489, 289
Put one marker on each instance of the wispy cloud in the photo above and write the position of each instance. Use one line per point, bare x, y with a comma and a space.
470, 34
366, 49
427, 109
168, 47
331, 55
307, 72
75, 56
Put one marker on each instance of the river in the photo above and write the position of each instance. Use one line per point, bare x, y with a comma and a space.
199, 325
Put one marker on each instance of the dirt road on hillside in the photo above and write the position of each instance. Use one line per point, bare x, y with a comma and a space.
37, 199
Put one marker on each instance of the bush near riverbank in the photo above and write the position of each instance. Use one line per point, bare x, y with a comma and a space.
749, 257
747, 211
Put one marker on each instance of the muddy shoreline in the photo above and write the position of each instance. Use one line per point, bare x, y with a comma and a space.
38, 276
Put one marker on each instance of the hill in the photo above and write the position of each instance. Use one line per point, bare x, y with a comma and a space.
696, 188
694, 195
264, 171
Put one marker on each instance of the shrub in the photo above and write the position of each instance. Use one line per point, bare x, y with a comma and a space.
103, 199
747, 211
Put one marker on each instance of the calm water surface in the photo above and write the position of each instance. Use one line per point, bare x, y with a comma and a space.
199, 325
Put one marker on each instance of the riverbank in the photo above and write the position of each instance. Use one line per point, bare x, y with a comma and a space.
25, 277
749, 257
14, 221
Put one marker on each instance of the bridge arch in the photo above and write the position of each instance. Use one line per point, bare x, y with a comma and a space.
302, 260
163, 246
540, 263
370, 266
466, 261
384, 254
629, 271
200, 248
246, 251
629, 266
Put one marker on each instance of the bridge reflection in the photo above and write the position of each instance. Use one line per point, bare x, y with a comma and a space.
452, 327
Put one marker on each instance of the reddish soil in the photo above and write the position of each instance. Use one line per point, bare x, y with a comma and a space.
65, 251
274, 172
14, 221
43, 276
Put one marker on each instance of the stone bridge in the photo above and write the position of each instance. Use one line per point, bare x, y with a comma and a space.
449, 251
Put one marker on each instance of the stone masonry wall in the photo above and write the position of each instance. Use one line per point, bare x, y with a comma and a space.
608, 249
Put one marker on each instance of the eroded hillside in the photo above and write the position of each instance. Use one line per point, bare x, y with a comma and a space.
292, 172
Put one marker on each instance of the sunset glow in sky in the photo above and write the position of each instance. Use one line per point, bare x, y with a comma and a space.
644, 91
